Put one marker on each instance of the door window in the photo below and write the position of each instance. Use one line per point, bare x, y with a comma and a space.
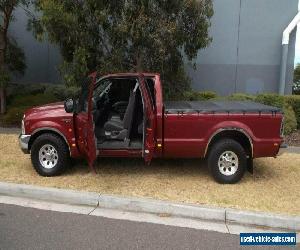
83, 98
151, 91
102, 88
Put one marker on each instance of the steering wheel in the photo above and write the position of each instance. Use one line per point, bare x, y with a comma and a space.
104, 99
105, 91
94, 104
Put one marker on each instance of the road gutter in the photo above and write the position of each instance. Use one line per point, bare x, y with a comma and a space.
97, 201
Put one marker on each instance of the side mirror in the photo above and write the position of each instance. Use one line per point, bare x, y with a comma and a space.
69, 105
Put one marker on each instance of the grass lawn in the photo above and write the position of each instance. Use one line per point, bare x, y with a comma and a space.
275, 187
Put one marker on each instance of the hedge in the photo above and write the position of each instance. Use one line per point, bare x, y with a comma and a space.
289, 104
20, 103
294, 102
271, 99
22, 97
26, 89
286, 103
290, 121
61, 92
199, 96
240, 97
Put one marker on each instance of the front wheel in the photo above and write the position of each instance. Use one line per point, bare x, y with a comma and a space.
227, 161
49, 155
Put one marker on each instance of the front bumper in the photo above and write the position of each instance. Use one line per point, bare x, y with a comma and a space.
282, 149
23, 142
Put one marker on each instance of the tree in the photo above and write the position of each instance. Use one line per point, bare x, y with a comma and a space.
126, 35
296, 87
12, 58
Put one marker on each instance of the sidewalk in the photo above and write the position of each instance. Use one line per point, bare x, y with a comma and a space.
293, 150
10, 130
149, 206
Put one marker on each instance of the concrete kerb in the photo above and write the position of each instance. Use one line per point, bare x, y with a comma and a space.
162, 207
142, 205
50, 194
263, 219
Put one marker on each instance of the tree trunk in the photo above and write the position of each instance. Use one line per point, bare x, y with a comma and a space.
2, 100
139, 62
3, 46
2, 64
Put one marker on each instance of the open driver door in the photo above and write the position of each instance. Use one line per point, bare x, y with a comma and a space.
84, 124
149, 121
91, 153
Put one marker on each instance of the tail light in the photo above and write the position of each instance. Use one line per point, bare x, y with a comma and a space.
282, 128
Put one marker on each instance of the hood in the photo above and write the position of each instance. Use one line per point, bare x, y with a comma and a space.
48, 107
49, 110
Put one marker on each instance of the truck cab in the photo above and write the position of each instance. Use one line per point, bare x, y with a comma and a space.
115, 116
123, 115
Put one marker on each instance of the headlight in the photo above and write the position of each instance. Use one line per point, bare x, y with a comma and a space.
23, 126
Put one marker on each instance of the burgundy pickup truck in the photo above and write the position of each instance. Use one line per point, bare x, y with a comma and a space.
123, 115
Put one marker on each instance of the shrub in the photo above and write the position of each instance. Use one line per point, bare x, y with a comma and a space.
14, 116
34, 89
19, 104
271, 99
4, 78
199, 96
61, 92
294, 102
26, 89
290, 106
290, 122
241, 97
32, 100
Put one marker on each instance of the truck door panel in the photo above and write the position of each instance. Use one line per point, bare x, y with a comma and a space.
184, 135
150, 121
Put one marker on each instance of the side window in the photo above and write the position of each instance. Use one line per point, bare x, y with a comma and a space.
151, 91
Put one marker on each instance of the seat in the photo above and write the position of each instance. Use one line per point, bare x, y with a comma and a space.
114, 125
118, 129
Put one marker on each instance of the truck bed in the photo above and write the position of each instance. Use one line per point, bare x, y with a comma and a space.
172, 107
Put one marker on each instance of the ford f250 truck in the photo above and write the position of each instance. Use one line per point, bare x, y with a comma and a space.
123, 115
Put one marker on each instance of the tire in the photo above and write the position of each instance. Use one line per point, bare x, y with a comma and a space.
227, 161
49, 155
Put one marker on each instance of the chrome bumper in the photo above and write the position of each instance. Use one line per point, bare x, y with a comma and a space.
282, 149
23, 142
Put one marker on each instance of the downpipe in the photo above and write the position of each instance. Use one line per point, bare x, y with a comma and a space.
285, 51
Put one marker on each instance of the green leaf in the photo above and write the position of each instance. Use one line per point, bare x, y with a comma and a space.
126, 35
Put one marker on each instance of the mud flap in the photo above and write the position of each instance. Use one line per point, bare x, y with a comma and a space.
92, 165
250, 167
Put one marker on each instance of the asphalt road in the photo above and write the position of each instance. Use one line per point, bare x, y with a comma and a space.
29, 228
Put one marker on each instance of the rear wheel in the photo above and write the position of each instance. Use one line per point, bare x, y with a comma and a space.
227, 161
49, 155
